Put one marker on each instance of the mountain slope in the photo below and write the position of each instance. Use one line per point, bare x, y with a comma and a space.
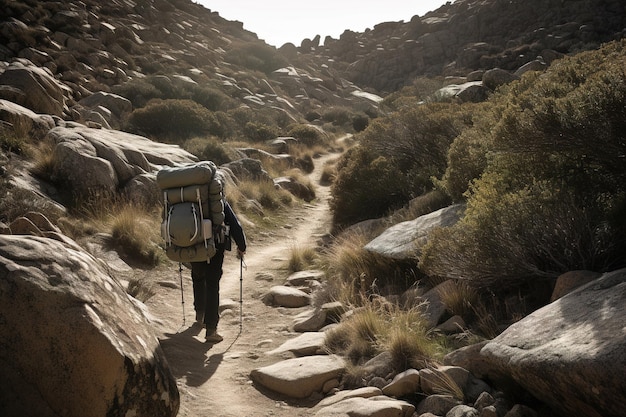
470, 35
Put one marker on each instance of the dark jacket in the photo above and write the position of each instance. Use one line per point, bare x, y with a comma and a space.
236, 231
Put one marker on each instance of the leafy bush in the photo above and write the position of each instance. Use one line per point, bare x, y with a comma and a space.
308, 135
360, 122
212, 98
208, 149
408, 96
174, 119
367, 186
256, 56
413, 144
418, 139
139, 92
259, 132
554, 184
338, 116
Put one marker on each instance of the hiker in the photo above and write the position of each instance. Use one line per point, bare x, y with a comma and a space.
206, 276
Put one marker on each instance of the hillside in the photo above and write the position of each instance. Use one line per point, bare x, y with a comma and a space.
466, 36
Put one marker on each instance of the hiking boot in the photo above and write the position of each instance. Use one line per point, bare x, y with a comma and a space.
213, 336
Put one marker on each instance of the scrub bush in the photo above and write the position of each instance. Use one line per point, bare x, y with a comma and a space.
173, 118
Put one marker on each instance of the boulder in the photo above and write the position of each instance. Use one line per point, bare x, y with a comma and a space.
284, 296
40, 221
300, 377
105, 108
300, 278
534, 65
443, 378
310, 320
33, 87
462, 410
89, 160
248, 168
368, 407
363, 392
571, 280
405, 240
25, 121
405, 383
306, 344
437, 404
496, 77
472, 92
570, 354
453, 325
75, 342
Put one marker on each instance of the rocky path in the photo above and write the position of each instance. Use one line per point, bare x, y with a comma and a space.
214, 380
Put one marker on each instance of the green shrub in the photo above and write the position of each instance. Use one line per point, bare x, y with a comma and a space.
418, 139
419, 92
259, 132
509, 239
552, 187
367, 186
212, 98
256, 56
208, 149
139, 92
308, 135
360, 122
174, 119
338, 116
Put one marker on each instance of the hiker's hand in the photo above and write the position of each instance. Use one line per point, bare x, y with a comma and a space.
240, 253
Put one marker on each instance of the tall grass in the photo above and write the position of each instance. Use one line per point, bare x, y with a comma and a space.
379, 327
137, 233
301, 258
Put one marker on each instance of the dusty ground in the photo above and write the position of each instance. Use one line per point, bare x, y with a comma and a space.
214, 380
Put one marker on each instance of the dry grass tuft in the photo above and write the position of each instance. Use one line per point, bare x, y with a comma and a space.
380, 327
301, 258
136, 233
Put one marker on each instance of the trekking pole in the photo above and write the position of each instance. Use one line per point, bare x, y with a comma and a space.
182, 293
240, 293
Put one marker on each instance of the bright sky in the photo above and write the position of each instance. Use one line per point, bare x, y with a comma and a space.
280, 21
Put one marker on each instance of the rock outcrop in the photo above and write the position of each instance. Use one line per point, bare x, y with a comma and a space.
74, 343
468, 35
90, 160
570, 354
405, 240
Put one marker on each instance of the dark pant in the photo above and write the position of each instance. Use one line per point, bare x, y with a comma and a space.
206, 288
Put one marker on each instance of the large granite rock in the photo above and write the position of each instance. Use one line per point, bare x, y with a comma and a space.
89, 160
404, 240
570, 354
73, 342
301, 377
34, 88
24, 121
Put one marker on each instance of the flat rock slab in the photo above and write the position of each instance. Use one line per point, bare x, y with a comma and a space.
368, 407
283, 296
306, 344
300, 377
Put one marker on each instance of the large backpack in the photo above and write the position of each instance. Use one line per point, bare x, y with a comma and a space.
193, 198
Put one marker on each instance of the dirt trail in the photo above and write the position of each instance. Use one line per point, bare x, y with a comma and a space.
214, 380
